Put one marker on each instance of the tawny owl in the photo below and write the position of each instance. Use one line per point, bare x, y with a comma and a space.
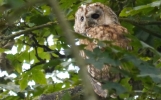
99, 22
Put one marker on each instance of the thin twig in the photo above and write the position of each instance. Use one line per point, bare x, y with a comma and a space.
27, 31
140, 22
36, 64
70, 39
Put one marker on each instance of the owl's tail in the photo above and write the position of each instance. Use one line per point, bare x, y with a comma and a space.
98, 88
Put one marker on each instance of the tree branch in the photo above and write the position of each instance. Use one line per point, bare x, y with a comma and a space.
74, 92
47, 49
27, 31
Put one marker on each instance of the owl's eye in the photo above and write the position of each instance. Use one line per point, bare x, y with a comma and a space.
82, 18
95, 16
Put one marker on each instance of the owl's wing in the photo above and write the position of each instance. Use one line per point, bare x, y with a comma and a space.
97, 87
114, 33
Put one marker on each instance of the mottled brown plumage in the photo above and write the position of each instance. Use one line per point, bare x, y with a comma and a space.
99, 22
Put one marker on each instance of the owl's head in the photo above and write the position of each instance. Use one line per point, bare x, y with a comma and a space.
92, 15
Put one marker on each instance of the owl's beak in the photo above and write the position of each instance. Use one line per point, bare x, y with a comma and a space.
86, 24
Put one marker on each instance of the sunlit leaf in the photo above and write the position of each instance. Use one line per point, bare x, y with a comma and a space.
46, 10
24, 80
38, 75
66, 4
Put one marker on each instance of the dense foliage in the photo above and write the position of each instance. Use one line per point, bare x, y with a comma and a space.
40, 52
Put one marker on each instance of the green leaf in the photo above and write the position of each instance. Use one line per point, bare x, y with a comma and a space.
15, 3
125, 83
39, 19
53, 87
155, 3
125, 12
98, 58
1, 2
38, 75
24, 80
42, 54
144, 9
50, 88
66, 96
131, 98
112, 85
145, 68
4, 94
67, 4
46, 10
157, 88
2, 50
52, 63
12, 98
38, 89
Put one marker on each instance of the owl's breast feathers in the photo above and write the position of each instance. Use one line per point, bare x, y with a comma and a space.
114, 33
